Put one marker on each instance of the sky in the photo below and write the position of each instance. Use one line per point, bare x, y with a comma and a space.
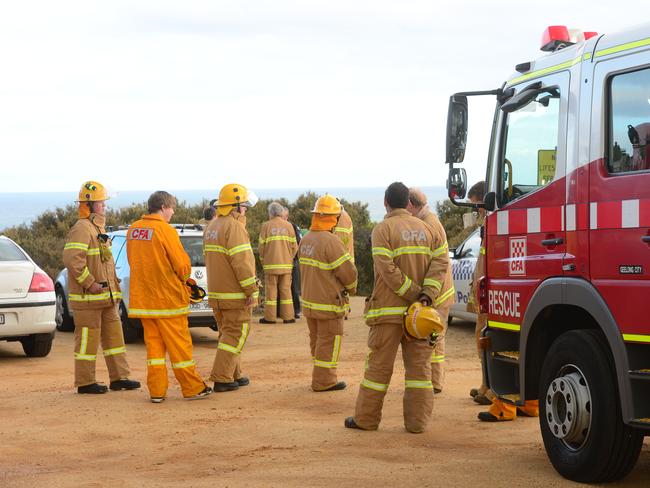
192, 94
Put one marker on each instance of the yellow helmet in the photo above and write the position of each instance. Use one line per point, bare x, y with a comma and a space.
233, 195
421, 322
197, 294
327, 205
92, 191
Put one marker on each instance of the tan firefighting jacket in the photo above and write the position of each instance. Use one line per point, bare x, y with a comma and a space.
159, 269
326, 272
277, 246
345, 231
431, 218
410, 258
230, 262
89, 260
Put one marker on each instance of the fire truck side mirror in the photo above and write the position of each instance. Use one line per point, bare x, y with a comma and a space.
457, 183
490, 201
456, 129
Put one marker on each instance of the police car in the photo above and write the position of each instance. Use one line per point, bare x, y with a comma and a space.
463, 262
200, 313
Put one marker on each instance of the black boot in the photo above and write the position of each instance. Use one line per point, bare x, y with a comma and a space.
243, 381
94, 389
290, 321
221, 387
338, 386
124, 384
264, 321
351, 424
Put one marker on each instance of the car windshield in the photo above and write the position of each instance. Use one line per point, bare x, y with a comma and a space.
194, 248
10, 252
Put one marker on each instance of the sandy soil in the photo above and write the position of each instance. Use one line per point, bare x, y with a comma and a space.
275, 432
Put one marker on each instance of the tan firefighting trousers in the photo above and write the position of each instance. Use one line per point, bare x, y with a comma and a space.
274, 285
234, 326
325, 344
481, 322
91, 327
170, 335
507, 411
383, 341
438, 355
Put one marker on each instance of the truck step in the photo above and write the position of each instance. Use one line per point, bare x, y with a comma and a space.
643, 423
640, 374
507, 356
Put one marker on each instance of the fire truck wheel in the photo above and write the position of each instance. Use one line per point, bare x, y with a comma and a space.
580, 413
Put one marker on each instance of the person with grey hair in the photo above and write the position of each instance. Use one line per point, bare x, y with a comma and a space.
277, 248
295, 273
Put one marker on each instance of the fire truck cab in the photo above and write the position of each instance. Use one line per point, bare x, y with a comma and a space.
567, 239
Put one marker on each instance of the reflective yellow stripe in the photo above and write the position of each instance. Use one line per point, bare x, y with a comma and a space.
412, 250
156, 362
482, 250
114, 351
230, 296
444, 297
351, 285
437, 358
421, 384
381, 312
229, 252
433, 283
345, 230
159, 313
325, 307
117, 294
326, 266
183, 364
93, 251
405, 286
240, 345
324, 364
334, 362
247, 282
84, 274
286, 302
382, 251
240, 248
75, 245
623, 47
85, 357
545, 71
84, 341
441, 250
636, 338
278, 238
503, 325
73, 297
215, 248
270, 302
277, 266
371, 385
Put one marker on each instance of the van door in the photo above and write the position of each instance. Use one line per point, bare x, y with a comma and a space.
619, 194
526, 236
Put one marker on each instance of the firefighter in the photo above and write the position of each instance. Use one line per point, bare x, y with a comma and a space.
277, 248
419, 208
328, 275
94, 295
160, 297
295, 272
344, 230
232, 284
410, 263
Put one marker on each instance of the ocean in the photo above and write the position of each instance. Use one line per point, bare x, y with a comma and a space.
22, 208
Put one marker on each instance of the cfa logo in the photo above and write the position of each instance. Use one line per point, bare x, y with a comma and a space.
212, 235
141, 234
275, 231
517, 266
307, 249
414, 235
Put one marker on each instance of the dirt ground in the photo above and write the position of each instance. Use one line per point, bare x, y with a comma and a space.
276, 432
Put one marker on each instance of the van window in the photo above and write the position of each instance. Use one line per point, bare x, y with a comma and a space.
193, 246
531, 140
629, 122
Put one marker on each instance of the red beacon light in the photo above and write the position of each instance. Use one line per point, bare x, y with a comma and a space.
589, 34
555, 37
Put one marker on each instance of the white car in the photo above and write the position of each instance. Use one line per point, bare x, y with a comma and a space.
201, 314
27, 303
463, 263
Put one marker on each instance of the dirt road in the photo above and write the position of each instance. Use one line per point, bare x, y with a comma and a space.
275, 432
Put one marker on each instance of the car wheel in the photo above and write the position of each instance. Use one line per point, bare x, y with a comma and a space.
64, 321
37, 345
580, 413
129, 329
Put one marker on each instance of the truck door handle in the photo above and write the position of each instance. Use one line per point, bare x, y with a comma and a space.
646, 239
552, 242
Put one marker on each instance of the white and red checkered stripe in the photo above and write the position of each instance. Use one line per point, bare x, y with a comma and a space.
618, 214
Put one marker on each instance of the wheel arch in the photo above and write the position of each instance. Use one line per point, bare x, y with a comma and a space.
557, 306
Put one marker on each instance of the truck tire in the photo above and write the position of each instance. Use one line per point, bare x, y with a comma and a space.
580, 412
37, 345
63, 319
129, 329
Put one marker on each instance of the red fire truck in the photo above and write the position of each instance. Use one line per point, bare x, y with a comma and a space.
567, 284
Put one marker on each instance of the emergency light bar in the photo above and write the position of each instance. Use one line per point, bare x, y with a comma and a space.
557, 37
